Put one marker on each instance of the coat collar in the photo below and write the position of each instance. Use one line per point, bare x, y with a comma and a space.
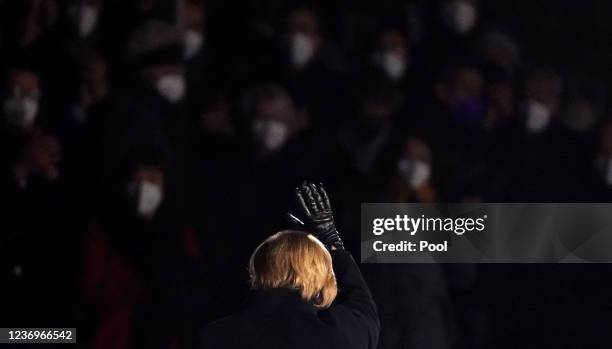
274, 298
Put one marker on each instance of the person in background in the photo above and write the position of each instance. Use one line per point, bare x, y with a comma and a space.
420, 298
34, 244
28, 149
412, 178
83, 18
315, 70
367, 137
601, 167
275, 120
204, 80
28, 24
148, 109
393, 54
499, 52
453, 125
275, 153
141, 263
87, 111
453, 31
396, 58
542, 148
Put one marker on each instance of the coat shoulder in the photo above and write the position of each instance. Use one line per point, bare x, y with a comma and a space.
217, 330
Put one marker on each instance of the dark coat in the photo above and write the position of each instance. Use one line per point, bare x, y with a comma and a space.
279, 318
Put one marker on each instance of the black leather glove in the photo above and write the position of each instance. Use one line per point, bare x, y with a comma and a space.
317, 213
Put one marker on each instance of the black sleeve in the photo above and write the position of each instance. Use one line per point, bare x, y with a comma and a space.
354, 311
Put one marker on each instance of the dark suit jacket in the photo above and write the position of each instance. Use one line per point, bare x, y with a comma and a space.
279, 318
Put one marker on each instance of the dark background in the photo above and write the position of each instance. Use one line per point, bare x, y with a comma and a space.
137, 177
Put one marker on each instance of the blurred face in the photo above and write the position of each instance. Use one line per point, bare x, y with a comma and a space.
94, 85
377, 110
463, 95
273, 122
460, 16
394, 56
152, 175
580, 115
501, 100
501, 51
303, 21
21, 105
194, 17
85, 15
545, 89
39, 16
146, 188
414, 165
304, 40
543, 97
395, 42
467, 84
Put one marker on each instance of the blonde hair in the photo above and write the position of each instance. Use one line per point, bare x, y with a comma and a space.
295, 260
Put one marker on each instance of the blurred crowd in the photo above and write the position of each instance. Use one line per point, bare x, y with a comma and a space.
147, 146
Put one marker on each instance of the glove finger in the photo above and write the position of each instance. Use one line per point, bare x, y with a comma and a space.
326, 202
301, 201
310, 198
317, 196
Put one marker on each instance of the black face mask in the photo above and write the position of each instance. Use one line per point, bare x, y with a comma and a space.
469, 110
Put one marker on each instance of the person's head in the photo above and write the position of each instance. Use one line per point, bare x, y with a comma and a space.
460, 88
156, 49
303, 36
378, 100
583, 105
22, 98
146, 184
543, 90
298, 261
393, 54
500, 50
194, 34
580, 115
27, 21
545, 86
93, 86
459, 16
501, 100
414, 162
273, 117
84, 16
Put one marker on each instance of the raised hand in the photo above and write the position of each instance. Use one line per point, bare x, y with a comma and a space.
317, 214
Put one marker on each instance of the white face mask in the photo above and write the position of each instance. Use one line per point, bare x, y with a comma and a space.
270, 133
393, 64
171, 87
87, 19
150, 196
193, 42
461, 16
538, 116
21, 111
414, 172
302, 50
